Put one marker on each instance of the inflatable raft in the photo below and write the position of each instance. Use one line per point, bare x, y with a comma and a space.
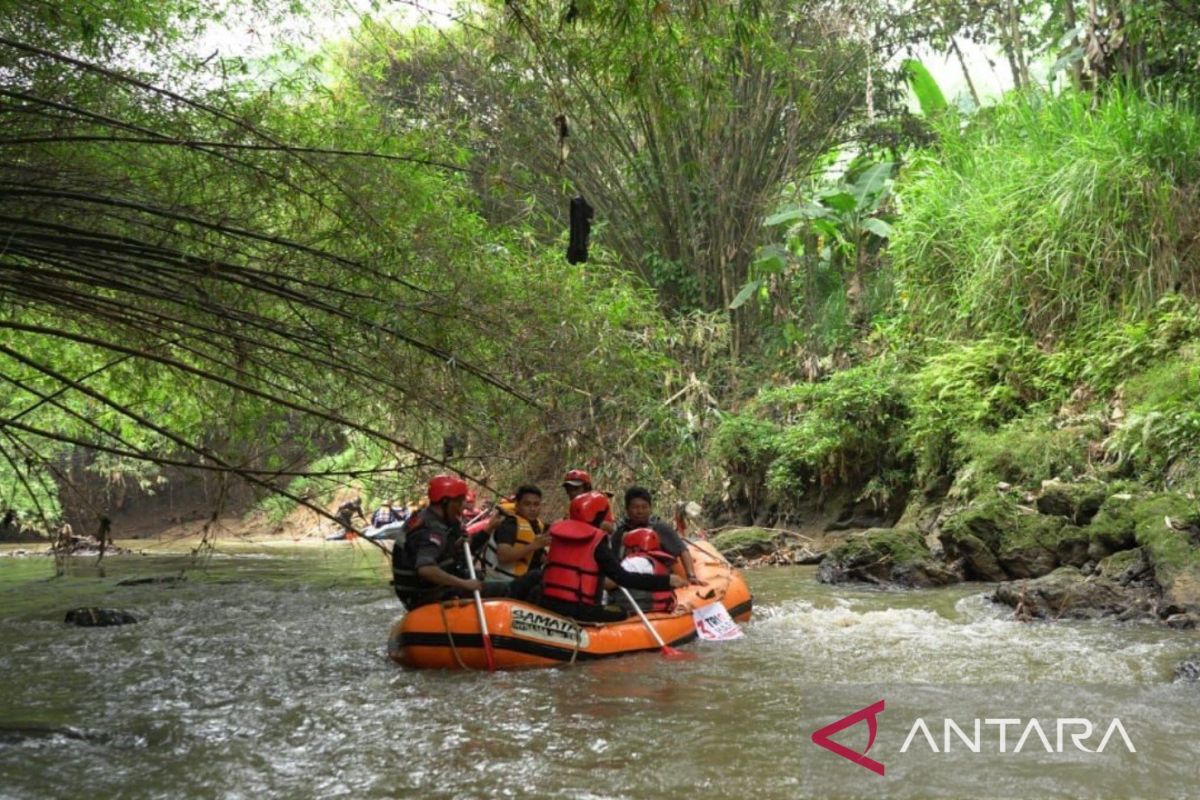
447, 636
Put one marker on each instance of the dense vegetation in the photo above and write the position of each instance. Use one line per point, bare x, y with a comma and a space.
812, 274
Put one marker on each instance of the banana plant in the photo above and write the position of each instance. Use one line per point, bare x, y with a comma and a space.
828, 242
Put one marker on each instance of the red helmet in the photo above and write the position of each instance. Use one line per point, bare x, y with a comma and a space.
642, 539
445, 487
589, 506
578, 475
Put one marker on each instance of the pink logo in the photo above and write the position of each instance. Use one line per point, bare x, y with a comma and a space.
869, 714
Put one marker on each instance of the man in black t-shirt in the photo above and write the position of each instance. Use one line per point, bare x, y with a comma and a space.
638, 507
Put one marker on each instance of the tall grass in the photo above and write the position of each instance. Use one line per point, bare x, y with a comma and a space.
1041, 213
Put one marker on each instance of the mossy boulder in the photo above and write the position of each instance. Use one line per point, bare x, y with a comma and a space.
984, 520
1127, 567
885, 555
1029, 547
996, 539
1112, 529
1074, 546
1077, 502
1167, 525
747, 542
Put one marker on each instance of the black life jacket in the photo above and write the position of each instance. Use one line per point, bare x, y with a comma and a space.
405, 580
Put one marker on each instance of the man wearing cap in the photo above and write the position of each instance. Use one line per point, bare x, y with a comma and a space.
577, 482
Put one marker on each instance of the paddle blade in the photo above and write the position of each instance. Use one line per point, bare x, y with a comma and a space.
671, 654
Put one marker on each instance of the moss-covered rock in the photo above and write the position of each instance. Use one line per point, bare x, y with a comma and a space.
985, 520
1163, 524
1073, 548
996, 539
1077, 502
746, 542
977, 560
1127, 566
1112, 529
1029, 546
884, 555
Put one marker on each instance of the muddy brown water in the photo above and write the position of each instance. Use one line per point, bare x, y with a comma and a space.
264, 674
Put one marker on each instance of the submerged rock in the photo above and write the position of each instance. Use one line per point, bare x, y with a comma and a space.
99, 617
1188, 669
152, 580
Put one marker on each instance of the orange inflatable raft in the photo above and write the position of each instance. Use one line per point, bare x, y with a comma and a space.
447, 636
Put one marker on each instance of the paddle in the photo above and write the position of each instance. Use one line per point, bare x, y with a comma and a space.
487, 639
667, 651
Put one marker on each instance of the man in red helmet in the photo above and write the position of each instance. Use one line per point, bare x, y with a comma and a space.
577, 482
644, 554
428, 562
579, 560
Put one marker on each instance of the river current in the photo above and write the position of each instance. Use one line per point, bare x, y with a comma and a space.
264, 674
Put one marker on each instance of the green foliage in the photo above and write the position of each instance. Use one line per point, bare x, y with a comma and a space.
824, 273
1023, 453
845, 429
1160, 435
924, 86
1043, 213
972, 387
1104, 355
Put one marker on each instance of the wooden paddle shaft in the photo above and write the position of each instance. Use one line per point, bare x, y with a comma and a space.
645, 621
483, 630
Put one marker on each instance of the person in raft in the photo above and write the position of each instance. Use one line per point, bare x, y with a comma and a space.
386, 514
577, 482
638, 508
431, 566
644, 555
579, 560
519, 542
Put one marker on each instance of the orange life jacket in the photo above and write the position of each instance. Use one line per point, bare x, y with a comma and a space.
571, 573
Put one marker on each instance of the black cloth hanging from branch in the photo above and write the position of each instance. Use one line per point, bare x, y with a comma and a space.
581, 226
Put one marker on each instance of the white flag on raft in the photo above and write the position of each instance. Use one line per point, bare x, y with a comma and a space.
714, 624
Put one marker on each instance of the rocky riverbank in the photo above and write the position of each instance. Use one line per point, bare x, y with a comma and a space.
1086, 549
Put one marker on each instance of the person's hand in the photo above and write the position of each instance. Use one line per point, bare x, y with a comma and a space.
678, 582
470, 585
695, 581
541, 541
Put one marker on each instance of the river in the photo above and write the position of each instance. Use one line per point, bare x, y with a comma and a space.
264, 674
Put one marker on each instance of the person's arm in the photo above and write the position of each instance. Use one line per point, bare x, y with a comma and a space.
611, 568
434, 574
508, 551
426, 564
672, 543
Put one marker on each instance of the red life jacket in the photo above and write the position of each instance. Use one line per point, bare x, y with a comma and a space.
571, 573
659, 599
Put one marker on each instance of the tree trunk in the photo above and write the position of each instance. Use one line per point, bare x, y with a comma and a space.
1072, 22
